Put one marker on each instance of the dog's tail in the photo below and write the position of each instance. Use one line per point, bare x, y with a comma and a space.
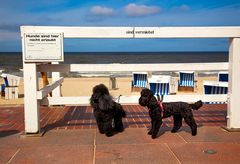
196, 105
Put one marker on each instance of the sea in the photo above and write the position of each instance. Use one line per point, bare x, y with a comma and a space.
11, 62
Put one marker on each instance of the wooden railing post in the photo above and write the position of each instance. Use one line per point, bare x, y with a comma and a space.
55, 76
31, 104
233, 118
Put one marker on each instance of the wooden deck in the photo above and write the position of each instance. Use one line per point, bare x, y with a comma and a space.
81, 117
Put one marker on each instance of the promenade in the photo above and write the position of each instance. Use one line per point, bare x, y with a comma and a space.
71, 137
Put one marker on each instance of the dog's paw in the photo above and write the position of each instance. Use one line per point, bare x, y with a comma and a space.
119, 130
194, 133
102, 132
154, 136
109, 134
150, 133
174, 131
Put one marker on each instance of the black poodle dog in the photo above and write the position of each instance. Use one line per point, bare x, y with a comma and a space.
178, 110
108, 113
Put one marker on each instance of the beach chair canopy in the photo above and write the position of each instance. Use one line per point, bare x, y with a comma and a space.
223, 76
215, 87
160, 85
187, 78
139, 79
11, 80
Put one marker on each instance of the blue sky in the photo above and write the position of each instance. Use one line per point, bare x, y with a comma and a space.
15, 13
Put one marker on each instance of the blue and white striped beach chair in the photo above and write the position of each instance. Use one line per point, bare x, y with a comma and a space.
139, 79
215, 87
187, 79
223, 76
160, 85
159, 88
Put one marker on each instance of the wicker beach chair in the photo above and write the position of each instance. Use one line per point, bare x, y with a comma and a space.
10, 88
215, 87
139, 80
162, 85
187, 79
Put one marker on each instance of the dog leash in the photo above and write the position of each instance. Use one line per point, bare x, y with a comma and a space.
119, 98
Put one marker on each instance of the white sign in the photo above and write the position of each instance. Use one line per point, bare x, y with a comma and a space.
42, 47
145, 32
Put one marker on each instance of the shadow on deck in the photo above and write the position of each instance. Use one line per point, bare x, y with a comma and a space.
81, 117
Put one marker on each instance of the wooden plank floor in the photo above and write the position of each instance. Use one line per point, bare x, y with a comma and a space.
81, 117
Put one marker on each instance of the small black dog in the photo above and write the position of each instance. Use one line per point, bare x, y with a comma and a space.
108, 113
178, 110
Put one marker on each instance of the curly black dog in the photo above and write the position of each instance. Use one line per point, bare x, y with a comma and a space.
178, 110
108, 113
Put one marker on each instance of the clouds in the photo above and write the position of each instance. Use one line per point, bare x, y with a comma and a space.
113, 13
101, 11
134, 10
131, 10
184, 7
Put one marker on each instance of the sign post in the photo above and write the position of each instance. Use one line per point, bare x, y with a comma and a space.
37, 47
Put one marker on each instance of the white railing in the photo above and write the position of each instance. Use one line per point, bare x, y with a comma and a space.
132, 67
127, 99
34, 96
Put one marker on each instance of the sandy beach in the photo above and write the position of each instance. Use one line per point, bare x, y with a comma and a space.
82, 86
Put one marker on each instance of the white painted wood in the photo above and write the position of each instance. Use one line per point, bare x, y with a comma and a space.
47, 89
82, 32
56, 75
215, 83
83, 100
139, 32
133, 67
133, 99
234, 84
195, 97
31, 104
186, 32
